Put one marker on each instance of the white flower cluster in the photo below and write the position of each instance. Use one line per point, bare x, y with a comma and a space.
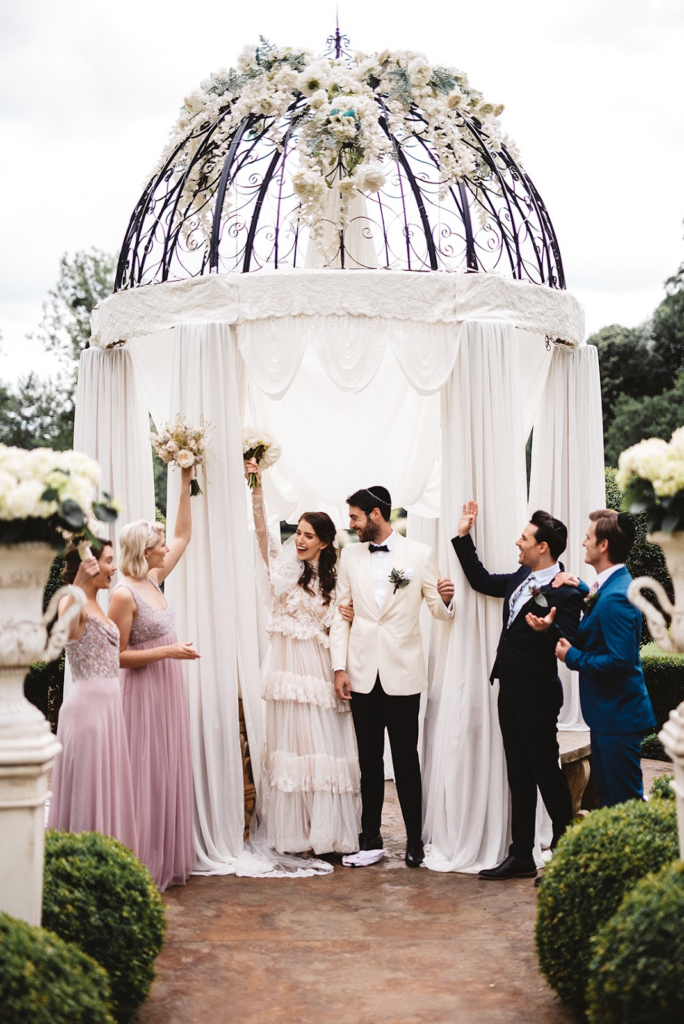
334, 109
260, 445
657, 461
181, 444
26, 475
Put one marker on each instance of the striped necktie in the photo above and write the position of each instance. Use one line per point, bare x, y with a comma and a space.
529, 581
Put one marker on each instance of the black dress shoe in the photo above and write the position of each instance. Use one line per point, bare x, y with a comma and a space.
367, 841
414, 853
512, 867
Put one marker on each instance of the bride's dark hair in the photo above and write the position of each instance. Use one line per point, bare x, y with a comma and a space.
324, 528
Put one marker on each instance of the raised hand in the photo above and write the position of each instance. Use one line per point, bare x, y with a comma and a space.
562, 579
252, 467
538, 624
87, 570
468, 518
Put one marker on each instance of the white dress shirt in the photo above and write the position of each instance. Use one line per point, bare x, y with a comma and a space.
607, 573
540, 578
381, 567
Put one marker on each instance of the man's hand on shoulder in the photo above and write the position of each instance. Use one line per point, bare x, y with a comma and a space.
565, 579
446, 590
468, 518
342, 685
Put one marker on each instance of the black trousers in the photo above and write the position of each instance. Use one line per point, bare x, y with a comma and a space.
372, 712
531, 748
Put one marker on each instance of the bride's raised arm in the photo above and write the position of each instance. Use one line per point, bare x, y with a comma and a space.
267, 544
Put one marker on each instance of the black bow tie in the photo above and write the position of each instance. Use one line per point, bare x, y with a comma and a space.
377, 547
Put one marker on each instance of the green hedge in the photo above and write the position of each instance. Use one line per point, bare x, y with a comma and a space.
662, 789
595, 863
99, 896
665, 684
44, 980
637, 973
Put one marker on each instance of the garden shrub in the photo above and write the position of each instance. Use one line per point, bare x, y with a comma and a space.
652, 748
44, 980
98, 895
665, 684
595, 863
661, 788
637, 972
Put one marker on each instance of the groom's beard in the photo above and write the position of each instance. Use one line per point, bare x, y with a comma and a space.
369, 532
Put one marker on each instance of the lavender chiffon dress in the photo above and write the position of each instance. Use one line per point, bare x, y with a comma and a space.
91, 781
156, 714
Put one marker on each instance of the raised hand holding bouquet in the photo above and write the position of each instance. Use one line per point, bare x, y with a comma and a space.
179, 444
260, 446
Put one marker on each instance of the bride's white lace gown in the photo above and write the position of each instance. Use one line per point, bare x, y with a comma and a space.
311, 773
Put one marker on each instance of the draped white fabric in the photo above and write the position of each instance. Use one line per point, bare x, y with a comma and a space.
567, 470
213, 592
465, 788
111, 424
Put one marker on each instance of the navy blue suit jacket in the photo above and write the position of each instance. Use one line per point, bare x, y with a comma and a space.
525, 663
606, 655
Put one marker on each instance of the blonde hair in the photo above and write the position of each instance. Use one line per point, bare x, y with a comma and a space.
134, 540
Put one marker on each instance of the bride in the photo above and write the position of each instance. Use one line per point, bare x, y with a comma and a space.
311, 772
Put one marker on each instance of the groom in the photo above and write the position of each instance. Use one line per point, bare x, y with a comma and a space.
379, 661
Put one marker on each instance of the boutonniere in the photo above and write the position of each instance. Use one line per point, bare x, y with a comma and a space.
538, 594
400, 578
590, 600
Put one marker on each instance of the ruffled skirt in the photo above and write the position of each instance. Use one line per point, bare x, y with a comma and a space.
311, 791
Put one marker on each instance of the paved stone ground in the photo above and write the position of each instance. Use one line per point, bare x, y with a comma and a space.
381, 944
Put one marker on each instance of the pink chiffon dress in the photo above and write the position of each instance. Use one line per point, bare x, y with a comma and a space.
311, 773
91, 780
156, 715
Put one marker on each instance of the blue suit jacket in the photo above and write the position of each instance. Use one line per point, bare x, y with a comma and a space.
606, 655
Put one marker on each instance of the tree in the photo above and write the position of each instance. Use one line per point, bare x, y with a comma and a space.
85, 279
630, 364
637, 418
37, 413
667, 330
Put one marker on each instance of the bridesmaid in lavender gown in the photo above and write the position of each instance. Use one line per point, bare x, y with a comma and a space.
91, 781
154, 700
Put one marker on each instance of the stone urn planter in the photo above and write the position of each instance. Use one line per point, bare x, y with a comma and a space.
672, 639
27, 746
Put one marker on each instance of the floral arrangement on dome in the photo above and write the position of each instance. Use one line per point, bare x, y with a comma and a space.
179, 444
346, 118
651, 474
50, 497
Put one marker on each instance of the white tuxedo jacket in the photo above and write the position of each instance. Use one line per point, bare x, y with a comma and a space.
386, 640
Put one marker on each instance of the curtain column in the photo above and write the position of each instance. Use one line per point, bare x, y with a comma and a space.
213, 593
466, 820
567, 477
112, 425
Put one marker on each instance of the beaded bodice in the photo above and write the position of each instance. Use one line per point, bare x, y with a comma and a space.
95, 655
150, 622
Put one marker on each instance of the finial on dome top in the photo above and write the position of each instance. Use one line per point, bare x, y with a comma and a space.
337, 43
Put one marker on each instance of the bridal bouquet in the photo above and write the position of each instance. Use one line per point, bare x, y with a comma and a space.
48, 496
260, 446
179, 444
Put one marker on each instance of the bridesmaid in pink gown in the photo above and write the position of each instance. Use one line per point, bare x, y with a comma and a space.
154, 700
91, 781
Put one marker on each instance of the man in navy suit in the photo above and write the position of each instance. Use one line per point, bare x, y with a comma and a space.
615, 702
530, 691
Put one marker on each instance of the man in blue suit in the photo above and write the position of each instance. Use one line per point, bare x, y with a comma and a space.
615, 702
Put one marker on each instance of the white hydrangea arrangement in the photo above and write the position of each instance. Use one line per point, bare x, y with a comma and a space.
180, 444
651, 474
341, 115
50, 496
259, 445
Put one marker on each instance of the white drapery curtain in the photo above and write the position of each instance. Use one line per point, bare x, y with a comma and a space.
466, 793
213, 593
567, 477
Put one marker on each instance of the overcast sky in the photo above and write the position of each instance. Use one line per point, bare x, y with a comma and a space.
593, 93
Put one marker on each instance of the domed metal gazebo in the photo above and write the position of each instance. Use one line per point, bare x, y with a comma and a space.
399, 330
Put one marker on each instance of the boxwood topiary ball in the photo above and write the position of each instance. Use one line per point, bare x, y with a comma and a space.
44, 980
595, 863
637, 973
98, 895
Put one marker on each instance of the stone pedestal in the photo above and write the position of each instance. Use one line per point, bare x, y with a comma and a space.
672, 738
575, 751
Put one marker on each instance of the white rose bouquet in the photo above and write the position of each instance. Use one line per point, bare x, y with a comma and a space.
179, 444
651, 474
260, 446
48, 496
